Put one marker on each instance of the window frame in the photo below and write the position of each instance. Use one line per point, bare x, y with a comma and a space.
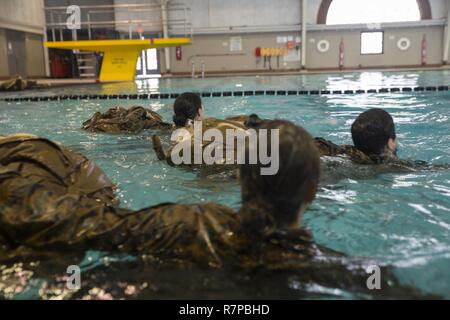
382, 43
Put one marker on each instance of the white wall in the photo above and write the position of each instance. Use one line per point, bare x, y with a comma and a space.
122, 15
22, 15
210, 16
439, 9
220, 16
226, 16
233, 13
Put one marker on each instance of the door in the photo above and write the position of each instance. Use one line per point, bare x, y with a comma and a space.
17, 60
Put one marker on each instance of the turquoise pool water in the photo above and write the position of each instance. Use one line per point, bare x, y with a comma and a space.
399, 219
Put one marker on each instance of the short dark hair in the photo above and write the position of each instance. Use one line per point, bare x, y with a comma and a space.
372, 130
296, 181
186, 107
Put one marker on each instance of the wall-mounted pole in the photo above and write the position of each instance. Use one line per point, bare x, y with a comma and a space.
446, 36
89, 26
130, 30
45, 39
304, 18
203, 68
165, 24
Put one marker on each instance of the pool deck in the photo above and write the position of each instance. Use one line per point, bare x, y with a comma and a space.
52, 82
306, 72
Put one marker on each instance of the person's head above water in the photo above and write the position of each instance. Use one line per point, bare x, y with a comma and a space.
187, 108
288, 193
373, 132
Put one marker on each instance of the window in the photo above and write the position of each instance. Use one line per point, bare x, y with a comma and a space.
152, 59
372, 11
371, 42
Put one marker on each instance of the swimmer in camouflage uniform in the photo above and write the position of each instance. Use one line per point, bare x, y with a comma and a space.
53, 199
188, 111
135, 119
374, 136
375, 142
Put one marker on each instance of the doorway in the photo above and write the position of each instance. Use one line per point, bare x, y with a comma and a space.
15, 46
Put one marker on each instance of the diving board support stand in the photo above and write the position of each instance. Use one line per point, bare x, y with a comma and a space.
119, 65
165, 33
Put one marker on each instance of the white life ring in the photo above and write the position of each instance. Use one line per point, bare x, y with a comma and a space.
323, 46
403, 44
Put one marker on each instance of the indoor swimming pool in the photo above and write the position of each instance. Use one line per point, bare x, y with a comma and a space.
400, 219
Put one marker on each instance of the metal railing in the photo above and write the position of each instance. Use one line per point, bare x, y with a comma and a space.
120, 18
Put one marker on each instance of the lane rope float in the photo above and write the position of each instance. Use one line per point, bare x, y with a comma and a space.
217, 94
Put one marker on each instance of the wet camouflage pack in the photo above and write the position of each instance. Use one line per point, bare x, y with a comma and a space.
122, 120
19, 84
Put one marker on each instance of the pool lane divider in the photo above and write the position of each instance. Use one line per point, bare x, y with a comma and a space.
216, 94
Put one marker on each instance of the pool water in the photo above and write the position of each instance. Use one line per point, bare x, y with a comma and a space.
401, 219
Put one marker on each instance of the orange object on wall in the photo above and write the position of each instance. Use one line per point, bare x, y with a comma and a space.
271, 52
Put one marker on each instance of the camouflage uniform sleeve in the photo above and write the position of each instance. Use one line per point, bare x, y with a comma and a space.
197, 233
242, 119
415, 165
327, 148
203, 233
161, 154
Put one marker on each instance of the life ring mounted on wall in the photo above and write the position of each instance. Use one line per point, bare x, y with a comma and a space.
323, 46
403, 44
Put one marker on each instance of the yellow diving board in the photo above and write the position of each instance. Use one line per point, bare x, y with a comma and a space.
119, 56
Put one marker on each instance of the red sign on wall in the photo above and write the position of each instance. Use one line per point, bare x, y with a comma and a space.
178, 53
